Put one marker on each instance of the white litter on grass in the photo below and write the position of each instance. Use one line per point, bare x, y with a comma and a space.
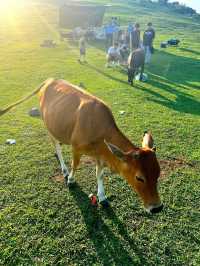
10, 141
34, 112
122, 112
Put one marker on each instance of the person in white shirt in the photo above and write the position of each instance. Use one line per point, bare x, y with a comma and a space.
113, 55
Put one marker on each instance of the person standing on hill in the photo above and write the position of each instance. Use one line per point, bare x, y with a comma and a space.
109, 31
129, 33
136, 36
82, 47
148, 38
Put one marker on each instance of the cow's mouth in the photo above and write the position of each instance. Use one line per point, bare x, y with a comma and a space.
155, 208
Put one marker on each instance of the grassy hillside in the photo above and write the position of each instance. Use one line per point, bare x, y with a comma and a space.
41, 221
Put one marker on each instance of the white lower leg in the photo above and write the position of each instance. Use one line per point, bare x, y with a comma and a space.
75, 163
60, 158
71, 179
99, 174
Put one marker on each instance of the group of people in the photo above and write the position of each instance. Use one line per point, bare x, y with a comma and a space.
119, 51
119, 45
112, 31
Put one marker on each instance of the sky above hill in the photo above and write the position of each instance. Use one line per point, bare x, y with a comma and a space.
192, 3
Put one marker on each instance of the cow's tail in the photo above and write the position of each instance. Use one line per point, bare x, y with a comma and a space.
45, 84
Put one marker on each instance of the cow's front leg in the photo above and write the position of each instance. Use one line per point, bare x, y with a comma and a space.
75, 162
141, 72
131, 75
64, 169
101, 193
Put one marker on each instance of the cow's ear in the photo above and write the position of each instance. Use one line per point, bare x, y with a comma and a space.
147, 141
136, 154
116, 151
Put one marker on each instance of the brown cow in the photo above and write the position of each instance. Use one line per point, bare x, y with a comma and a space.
75, 117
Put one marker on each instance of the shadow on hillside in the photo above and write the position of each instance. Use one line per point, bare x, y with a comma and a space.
109, 248
190, 51
183, 102
176, 68
174, 79
169, 79
112, 77
100, 45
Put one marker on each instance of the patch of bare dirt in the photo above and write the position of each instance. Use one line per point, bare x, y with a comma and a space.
167, 166
171, 164
58, 178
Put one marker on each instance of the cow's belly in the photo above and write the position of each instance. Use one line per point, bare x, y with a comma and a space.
58, 128
59, 117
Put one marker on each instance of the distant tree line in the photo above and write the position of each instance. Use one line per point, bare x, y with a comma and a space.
175, 6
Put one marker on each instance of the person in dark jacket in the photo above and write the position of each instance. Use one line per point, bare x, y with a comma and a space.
148, 38
136, 36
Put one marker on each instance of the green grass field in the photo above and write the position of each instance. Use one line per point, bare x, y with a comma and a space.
41, 221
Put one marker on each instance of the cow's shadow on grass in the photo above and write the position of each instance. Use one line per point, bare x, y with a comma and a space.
184, 102
105, 74
169, 79
100, 45
173, 76
190, 51
110, 249
177, 68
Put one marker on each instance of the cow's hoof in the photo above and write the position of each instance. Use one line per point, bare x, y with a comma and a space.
65, 173
56, 156
71, 185
105, 203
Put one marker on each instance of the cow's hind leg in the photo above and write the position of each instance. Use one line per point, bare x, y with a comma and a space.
61, 160
101, 193
75, 163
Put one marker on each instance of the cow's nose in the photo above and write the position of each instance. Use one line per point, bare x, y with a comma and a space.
157, 209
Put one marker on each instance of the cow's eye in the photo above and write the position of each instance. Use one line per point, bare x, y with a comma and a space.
140, 179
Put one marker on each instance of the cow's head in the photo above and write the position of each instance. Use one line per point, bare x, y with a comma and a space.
141, 169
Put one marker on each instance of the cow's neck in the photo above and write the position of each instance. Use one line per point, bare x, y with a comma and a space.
121, 141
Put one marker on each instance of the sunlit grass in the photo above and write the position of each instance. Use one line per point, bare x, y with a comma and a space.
42, 222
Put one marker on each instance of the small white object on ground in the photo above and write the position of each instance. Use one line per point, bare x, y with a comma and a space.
10, 141
122, 112
144, 77
35, 112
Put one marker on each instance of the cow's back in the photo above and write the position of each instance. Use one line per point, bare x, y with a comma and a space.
73, 116
136, 58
